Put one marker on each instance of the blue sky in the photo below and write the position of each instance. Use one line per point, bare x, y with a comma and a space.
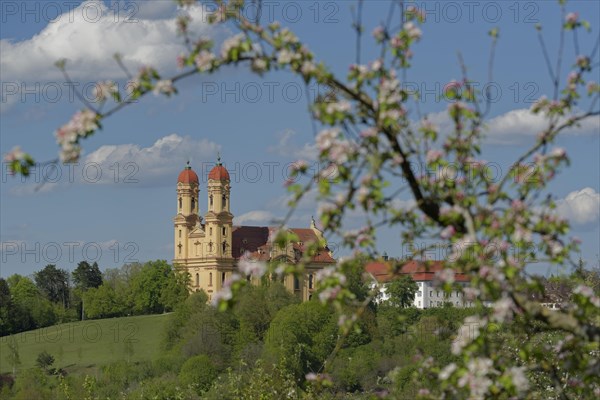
259, 125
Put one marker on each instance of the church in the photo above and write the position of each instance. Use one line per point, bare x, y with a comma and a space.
209, 249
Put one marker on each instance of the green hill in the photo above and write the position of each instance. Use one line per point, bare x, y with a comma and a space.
80, 346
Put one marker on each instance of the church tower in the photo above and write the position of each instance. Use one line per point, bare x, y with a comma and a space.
219, 220
187, 217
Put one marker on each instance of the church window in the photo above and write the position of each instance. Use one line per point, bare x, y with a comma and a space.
197, 279
210, 279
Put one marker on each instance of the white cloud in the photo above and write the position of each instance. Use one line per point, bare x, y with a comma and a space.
580, 207
521, 123
257, 216
158, 163
286, 147
516, 126
128, 165
89, 35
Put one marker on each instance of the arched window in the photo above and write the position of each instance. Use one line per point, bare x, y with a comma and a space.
210, 231
193, 204
210, 279
180, 233
224, 231
210, 200
197, 279
223, 277
296, 283
223, 201
224, 246
180, 203
310, 281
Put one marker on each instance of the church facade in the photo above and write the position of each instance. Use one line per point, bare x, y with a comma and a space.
209, 248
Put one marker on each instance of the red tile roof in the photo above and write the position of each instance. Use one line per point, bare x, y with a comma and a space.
255, 240
219, 173
187, 176
419, 270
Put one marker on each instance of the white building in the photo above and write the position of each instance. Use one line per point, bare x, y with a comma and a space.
428, 294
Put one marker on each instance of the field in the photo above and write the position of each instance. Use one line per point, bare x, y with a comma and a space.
81, 346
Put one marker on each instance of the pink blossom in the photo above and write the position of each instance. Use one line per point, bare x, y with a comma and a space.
433, 156
369, 133
446, 275
572, 17
15, 154
412, 30
378, 33
558, 152
448, 232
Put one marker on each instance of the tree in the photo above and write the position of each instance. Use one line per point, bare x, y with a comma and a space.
147, 287
175, 291
44, 360
87, 276
31, 308
401, 291
373, 134
13, 357
6, 324
301, 337
54, 284
198, 372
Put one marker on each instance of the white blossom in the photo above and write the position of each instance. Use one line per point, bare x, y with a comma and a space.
103, 90
250, 267
204, 60
230, 44
164, 86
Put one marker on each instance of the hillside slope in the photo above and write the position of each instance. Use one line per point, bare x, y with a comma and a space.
78, 346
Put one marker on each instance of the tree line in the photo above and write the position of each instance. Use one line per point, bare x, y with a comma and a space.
54, 295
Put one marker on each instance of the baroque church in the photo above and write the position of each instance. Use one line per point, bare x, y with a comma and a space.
208, 249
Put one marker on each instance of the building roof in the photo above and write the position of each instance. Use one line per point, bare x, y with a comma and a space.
187, 175
256, 241
420, 271
219, 172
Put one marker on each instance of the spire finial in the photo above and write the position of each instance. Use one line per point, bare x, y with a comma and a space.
218, 158
187, 166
